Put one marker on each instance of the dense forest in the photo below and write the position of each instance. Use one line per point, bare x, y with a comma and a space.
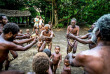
61, 11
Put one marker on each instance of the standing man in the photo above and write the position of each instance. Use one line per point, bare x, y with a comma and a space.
47, 36
95, 61
73, 29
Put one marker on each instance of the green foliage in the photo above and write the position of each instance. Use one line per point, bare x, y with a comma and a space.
83, 10
60, 25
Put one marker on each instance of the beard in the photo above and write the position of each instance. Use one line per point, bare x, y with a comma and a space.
11, 39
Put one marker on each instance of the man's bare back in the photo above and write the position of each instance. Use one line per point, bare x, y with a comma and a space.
94, 61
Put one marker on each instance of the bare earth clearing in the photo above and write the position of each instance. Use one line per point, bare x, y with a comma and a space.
24, 60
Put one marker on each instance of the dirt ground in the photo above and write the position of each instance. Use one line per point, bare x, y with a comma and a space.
24, 60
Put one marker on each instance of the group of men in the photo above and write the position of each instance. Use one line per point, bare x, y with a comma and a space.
94, 61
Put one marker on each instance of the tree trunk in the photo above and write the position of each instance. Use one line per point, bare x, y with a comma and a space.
52, 11
56, 18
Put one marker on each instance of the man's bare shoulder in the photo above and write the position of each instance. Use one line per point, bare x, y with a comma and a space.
77, 26
85, 55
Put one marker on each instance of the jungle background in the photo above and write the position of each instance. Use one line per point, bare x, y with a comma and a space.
60, 11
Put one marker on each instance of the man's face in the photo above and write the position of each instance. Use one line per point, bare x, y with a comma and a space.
73, 23
12, 37
4, 20
47, 29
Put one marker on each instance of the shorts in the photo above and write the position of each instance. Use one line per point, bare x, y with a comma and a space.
36, 25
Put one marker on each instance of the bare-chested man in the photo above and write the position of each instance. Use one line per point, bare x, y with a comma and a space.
47, 36
96, 60
73, 29
6, 42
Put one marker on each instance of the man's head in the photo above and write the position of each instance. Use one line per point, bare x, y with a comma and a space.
3, 19
73, 22
40, 63
47, 26
57, 49
47, 51
104, 27
49, 22
10, 31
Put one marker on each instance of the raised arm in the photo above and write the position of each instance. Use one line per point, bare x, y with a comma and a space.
13, 46
79, 40
42, 47
23, 41
60, 60
84, 36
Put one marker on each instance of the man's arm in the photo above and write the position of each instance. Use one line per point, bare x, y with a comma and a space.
12, 46
67, 69
60, 60
67, 30
23, 41
77, 31
78, 60
84, 36
42, 47
79, 40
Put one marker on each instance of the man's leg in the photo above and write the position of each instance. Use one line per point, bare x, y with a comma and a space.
8, 60
54, 69
69, 48
75, 46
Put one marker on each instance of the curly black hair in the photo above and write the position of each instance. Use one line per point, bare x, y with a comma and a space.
40, 63
104, 27
47, 51
11, 27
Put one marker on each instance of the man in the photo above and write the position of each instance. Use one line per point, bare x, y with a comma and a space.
6, 42
3, 21
47, 36
95, 61
73, 29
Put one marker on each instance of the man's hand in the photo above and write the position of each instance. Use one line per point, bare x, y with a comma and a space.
70, 57
36, 39
70, 36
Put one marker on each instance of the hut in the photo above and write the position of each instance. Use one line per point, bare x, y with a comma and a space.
17, 16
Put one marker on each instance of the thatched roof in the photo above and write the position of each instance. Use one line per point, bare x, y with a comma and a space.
14, 13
